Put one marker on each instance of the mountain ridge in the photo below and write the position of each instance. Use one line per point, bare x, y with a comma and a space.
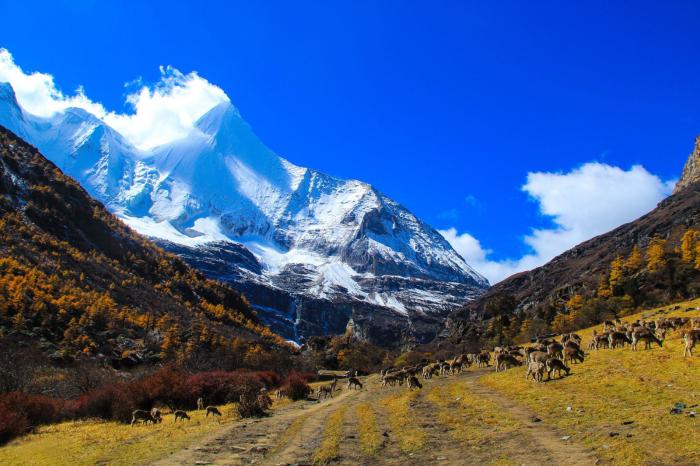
314, 236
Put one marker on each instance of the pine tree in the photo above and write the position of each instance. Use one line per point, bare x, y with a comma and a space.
656, 252
634, 261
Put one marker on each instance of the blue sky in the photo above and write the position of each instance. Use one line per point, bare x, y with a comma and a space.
445, 106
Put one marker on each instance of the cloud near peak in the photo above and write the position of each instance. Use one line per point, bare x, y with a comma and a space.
162, 112
585, 202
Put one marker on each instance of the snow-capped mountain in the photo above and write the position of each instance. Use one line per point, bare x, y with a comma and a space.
311, 251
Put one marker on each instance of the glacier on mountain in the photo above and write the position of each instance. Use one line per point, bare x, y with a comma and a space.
223, 200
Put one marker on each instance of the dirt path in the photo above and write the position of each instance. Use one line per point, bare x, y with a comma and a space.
293, 433
544, 435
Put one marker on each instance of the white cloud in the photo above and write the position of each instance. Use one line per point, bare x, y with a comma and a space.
162, 112
583, 203
168, 110
37, 93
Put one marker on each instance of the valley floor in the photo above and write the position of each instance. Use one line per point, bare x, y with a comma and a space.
612, 409
454, 420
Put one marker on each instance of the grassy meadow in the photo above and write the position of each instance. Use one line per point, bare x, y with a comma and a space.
620, 400
105, 442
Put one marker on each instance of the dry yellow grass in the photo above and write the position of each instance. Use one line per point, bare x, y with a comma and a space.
485, 419
370, 441
90, 442
332, 434
616, 386
402, 421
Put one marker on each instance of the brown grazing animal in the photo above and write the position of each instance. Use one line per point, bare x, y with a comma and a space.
155, 414
506, 361
213, 410
616, 339
354, 382
325, 391
572, 344
538, 356
690, 338
558, 365
535, 370
573, 355
601, 340
647, 337
413, 383
140, 415
555, 350
180, 414
483, 359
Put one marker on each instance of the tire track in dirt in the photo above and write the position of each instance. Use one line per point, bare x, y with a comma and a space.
544, 435
263, 440
292, 433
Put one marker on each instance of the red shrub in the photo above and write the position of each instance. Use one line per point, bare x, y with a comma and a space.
20, 412
168, 386
268, 378
109, 402
12, 424
218, 387
295, 387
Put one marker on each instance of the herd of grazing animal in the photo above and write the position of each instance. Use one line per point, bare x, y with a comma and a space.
546, 356
552, 357
391, 377
155, 417
648, 332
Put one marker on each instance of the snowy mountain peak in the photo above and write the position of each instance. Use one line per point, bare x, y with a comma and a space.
312, 234
7, 94
10, 112
211, 122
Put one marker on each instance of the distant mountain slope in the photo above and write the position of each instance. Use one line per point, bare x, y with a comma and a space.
77, 280
308, 240
545, 290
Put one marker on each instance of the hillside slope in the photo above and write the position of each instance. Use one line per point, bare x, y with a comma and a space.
545, 291
79, 282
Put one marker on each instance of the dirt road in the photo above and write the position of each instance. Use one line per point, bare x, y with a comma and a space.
435, 427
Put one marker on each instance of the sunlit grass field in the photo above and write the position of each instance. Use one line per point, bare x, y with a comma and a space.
101, 442
332, 435
620, 400
370, 440
411, 438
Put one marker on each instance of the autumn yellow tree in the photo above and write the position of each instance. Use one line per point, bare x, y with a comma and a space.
604, 290
634, 260
656, 251
616, 272
575, 302
689, 246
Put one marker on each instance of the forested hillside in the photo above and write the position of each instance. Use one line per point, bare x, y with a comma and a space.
79, 283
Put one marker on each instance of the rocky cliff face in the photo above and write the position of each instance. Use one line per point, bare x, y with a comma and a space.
310, 251
691, 170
